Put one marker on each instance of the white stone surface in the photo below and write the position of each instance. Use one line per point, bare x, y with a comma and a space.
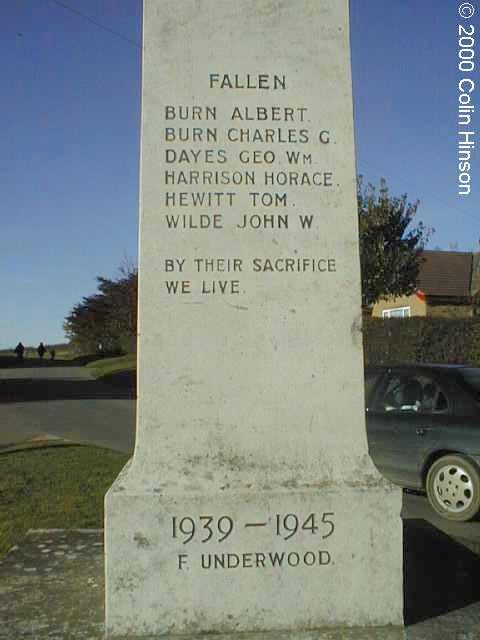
250, 401
255, 579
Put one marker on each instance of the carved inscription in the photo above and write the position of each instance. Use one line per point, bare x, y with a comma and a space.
206, 529
238, 169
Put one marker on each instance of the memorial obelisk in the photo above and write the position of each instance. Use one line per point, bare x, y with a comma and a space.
251, 503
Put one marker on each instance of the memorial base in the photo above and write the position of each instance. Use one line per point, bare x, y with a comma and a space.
252, 561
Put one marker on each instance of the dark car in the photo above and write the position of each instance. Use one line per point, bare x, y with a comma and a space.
423, 428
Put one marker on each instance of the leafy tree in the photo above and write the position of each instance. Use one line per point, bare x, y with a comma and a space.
107, 318
390, 245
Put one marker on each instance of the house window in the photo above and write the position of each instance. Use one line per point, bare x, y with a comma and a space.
402, 312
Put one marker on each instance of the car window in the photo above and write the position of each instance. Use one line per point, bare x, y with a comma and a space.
409, 393
441, 404
371, 378
472, 378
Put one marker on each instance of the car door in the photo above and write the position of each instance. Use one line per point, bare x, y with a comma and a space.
399, 425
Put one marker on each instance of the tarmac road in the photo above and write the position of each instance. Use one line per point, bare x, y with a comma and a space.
416, 507
65, 402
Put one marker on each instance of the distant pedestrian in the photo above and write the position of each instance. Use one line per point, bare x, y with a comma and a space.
20, 350
41, 350
52, 353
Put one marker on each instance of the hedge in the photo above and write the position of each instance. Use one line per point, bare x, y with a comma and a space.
432, 340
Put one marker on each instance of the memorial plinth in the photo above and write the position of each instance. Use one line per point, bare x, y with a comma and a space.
251, 502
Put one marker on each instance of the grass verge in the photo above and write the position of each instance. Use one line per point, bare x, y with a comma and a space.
54, 488
108, 366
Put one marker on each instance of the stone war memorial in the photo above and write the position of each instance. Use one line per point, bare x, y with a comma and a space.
251, 503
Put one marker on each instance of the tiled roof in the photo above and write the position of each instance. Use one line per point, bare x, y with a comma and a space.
445, 273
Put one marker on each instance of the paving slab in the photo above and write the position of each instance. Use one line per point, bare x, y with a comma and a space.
52, 588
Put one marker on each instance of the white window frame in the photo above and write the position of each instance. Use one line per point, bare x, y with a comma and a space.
406, 312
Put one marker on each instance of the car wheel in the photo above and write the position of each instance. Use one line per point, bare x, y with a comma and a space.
453, 488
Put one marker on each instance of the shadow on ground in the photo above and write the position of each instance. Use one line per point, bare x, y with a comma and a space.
122, 379
441, 575
121, 385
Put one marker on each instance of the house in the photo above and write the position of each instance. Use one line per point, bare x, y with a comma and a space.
448, 286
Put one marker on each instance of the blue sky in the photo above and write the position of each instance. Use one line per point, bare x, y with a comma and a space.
70, 107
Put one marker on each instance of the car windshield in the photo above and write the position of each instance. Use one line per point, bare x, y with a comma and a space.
472, 378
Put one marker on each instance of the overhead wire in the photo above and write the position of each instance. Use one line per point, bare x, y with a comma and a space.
95, 22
